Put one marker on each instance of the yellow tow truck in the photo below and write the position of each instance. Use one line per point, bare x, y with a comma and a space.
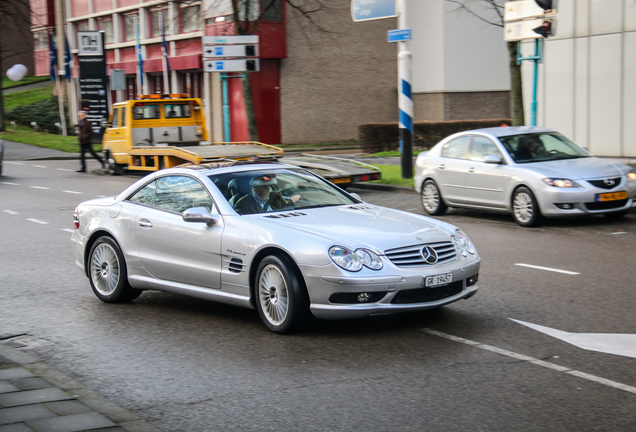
163, 131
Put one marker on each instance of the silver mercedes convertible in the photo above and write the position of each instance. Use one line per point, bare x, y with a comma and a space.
272, 237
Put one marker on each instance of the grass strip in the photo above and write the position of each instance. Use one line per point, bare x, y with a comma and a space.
67, 144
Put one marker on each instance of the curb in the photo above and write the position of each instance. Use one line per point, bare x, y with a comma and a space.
122, 419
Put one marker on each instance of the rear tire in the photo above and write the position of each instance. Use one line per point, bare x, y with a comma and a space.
525, 209
281, 297
117, 169
108, 274
432, 200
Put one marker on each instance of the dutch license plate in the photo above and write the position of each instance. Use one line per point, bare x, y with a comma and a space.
612, 196
432, 281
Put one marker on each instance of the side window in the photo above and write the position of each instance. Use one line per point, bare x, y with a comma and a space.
176, 111
178, 193
123, 117
456, 148
145, 194
114, 121
482, 146
144, 112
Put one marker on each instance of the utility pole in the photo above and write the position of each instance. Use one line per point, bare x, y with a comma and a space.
405, 98
61, 69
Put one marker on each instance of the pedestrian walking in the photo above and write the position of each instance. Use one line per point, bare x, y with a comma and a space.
85, 137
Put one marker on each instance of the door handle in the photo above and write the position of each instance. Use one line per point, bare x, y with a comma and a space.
145, 223
442, 166
471, 170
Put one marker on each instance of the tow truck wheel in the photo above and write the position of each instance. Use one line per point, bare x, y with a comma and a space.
117, 169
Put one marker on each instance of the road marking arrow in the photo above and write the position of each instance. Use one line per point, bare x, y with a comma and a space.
609, 343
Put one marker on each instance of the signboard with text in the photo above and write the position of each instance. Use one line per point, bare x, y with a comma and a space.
365, 10
93, 79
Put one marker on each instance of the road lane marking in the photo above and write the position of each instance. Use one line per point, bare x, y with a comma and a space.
38, 221
40, 166
64, 169
10, 212
608, 343
68, 230
535, 361
12, 184
73, 192
13, 163
547, 269
40, 187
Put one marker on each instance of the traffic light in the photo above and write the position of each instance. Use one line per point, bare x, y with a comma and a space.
545, 29
546, 4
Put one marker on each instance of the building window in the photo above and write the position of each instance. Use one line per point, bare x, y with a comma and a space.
274, 12
130, 26
83, 26
157, 15
106, 24
40, 40
191, 19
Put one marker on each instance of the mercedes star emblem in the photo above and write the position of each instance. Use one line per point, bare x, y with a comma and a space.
429, 255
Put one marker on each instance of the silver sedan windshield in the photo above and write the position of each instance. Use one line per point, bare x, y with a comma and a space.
263, 191
540, 147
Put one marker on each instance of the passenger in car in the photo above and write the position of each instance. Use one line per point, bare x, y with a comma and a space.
262, 198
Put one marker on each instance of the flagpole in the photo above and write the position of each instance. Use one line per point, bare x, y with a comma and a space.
140, 72
164, 52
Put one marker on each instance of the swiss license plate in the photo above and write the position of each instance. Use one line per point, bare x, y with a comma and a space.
432, 281
611, 196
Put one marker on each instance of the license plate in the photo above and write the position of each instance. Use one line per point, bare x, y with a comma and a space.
612, 196
432, 281
341, 180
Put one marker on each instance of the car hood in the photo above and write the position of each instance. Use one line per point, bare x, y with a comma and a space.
365, 225
583, 168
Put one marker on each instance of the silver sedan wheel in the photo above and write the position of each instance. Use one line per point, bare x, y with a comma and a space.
105, 269
273, 294
523, 207
430, 197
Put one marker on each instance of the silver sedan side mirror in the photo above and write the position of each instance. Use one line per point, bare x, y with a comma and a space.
200, 214
492, 159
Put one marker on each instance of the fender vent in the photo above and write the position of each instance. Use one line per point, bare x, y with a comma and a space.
286, 215
362, 207
235, 265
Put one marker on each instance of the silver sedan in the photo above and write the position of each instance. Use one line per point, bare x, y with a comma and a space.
527, 171
272, 237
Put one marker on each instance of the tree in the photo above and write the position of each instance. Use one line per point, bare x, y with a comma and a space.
15, 22
485, 10
247, 15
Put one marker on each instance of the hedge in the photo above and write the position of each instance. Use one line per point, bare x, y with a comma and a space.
45, 113
379, 137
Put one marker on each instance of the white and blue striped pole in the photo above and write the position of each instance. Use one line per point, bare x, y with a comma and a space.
405, 99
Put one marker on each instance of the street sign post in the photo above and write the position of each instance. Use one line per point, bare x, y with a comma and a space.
232, 65
523, 9
365, 10
217, 51
398, 35
522, 30
225, 40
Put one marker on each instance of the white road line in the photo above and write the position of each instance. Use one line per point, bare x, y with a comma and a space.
38, 221
64, 169
40, 166
40, 187
620, 232
10, 212
535, 361
547, 269
12, 184
68, 230
13, 163
74, 192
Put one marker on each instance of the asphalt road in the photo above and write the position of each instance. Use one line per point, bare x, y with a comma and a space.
190, 365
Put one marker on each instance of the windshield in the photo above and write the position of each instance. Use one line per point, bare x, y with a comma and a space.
265, 191
540, 147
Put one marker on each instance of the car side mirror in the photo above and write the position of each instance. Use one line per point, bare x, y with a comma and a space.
492, 159
355, 195
200, 214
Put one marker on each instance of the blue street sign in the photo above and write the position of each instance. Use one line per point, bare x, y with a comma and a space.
364, 10
218, 50
398, 35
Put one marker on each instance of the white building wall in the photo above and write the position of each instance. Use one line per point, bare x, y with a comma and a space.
587, 83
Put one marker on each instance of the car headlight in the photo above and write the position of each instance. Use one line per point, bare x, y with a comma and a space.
353, 261
369, 259
631, 176
560, 182
462, 243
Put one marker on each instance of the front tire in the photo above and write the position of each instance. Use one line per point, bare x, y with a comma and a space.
432, 199
108, 274
525, 209
281, 298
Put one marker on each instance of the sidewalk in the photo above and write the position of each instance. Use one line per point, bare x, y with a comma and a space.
36, 397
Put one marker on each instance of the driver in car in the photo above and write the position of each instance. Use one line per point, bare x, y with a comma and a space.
262, 198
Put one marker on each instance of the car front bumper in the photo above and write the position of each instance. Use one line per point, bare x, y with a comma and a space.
555, 202
336, 297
